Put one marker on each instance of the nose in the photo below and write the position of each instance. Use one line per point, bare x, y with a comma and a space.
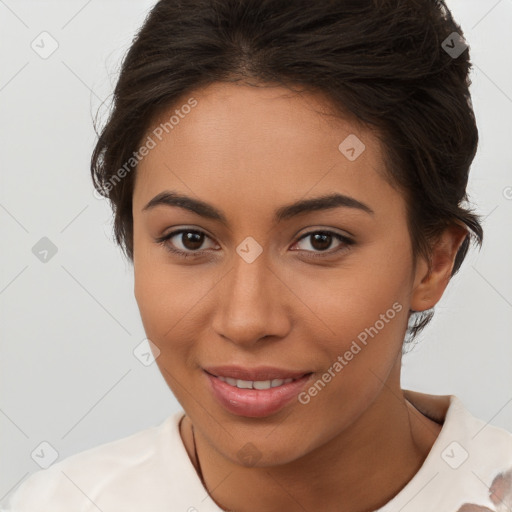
252, 303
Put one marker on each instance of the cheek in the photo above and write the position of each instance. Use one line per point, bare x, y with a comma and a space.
362, 311
370, 288
168, 302
162, 300
170, 299
163, 291
358, 329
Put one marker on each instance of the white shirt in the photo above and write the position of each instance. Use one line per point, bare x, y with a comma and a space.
150, 471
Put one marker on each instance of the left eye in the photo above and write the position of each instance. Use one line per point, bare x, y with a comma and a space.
192, 240
322, 240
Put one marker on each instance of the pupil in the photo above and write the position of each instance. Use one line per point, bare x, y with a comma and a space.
189, 239
322, 237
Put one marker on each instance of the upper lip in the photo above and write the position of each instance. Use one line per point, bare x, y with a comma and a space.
257, 373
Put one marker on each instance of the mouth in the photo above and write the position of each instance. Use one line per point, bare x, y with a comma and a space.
256, 384
259, 374
266, 392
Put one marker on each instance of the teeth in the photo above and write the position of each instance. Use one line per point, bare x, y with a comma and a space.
254, 384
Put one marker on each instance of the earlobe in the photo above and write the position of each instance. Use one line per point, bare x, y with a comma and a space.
432, 280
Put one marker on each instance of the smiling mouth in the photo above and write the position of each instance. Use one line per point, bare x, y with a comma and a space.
256, 384
256, 398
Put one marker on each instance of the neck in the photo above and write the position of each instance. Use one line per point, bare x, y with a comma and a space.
363, 467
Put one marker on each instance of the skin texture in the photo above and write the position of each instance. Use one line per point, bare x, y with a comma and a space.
248, 151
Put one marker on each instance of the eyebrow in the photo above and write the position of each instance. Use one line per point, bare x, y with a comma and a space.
326, 202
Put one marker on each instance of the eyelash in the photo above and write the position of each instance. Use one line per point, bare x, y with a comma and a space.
315, 254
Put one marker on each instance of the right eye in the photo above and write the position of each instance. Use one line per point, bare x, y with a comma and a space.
191, 242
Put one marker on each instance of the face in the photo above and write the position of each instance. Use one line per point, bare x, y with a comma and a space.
322, 289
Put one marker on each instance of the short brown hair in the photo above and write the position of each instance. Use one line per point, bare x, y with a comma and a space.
379, 61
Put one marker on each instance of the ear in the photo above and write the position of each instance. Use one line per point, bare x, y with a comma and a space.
430, 283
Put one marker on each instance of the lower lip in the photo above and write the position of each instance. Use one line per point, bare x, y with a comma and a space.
255, 403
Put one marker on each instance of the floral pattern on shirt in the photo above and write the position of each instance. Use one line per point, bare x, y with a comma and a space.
500, 494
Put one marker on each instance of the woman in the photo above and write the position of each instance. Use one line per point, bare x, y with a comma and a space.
289, 180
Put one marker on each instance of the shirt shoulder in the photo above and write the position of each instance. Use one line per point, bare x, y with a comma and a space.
147, 470
469, 467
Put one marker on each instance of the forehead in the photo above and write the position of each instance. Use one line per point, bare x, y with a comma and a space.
260, 144
257, 119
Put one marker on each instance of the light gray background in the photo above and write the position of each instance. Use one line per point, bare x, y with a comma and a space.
69, 326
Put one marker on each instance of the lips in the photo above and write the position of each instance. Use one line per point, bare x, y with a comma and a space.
255, 392
261, 373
